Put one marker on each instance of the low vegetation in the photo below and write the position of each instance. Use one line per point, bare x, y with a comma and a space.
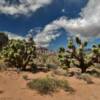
86, 78
94, 72
48, 85
22, 53
25, 77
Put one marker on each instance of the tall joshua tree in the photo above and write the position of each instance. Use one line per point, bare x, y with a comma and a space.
76, 54
84, 61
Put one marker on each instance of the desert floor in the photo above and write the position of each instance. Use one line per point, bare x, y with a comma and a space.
13, 87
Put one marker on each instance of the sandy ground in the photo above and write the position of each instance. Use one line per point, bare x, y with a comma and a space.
13, 87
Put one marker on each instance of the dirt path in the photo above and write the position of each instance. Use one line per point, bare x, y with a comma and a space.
13, 87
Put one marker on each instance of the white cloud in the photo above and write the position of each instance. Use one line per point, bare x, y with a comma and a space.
42, 39
87, 25
46, 36
13, 35
25, 7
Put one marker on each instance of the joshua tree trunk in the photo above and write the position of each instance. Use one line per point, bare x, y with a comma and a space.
83, 69
26, 62
82, 66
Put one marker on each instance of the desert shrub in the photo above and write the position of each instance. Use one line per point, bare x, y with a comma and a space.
60, 72
94, 72
46, 61
42, 60
25, 77
51, 66
3, 66
86, 78
63, 84
49, 85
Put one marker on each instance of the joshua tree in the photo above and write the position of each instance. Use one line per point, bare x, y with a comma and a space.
19, 53
76, 55
82, 58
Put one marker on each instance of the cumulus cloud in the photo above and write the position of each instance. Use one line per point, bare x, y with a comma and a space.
13, 35
46, 36
21, 7
87, 25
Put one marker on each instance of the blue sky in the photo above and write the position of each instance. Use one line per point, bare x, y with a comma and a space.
50, 21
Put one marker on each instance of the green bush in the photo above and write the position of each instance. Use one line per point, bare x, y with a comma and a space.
48, 85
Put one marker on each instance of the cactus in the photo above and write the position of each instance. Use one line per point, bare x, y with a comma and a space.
19, 53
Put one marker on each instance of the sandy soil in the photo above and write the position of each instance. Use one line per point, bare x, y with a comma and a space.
13, 87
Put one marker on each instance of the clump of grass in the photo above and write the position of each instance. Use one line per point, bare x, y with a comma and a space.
25, 77
95, 73
63, 84
3, 65
49, 85
60, 71
86, 77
